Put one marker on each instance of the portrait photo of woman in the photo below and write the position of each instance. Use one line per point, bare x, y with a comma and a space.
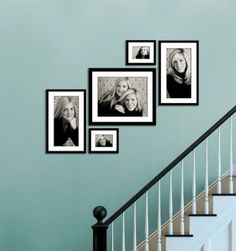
104, 140
178, 72
65, 121
122, 96
143, 52
140, 52
108, 103
132, 103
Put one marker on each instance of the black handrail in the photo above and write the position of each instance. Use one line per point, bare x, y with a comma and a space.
169, 167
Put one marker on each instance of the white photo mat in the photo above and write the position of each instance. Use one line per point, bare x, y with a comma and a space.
81, 129
194, 78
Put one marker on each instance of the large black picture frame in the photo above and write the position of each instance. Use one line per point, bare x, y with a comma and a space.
141, 81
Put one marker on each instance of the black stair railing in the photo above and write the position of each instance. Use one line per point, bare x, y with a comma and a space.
99, 212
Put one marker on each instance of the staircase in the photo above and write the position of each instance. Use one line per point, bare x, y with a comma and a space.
206, 223
211, 232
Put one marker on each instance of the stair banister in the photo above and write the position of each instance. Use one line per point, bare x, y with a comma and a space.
100, 226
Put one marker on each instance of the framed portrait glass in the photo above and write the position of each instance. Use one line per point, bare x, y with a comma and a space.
122, 96
103, 140
65, 121
140, 52
178, 72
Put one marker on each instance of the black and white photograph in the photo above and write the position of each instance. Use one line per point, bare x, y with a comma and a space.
178, 72
122, 96
103, 140
65, 121
140, 52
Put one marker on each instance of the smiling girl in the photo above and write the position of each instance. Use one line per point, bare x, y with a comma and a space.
65, 123
179, 75
108, 104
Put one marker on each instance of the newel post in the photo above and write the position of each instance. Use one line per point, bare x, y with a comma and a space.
99, 229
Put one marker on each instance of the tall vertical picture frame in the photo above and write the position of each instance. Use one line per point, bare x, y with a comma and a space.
65, 121
178, 72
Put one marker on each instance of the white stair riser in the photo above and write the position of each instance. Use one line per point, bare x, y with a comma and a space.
210, 233
176, 243
198, 224
222, 204
214, 238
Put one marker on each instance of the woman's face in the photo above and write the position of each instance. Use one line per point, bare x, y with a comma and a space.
144, 51
131, 102
121, 87
179, 63
102, 141
69, 112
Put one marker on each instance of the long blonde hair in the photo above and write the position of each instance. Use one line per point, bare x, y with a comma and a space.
60, 105
139, 106
173, 72
111, 96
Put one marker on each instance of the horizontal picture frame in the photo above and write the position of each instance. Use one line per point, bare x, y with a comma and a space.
104, 140
178, 72
65, 121
140, 52
122, 96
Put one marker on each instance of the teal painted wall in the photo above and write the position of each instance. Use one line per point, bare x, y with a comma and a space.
46, 200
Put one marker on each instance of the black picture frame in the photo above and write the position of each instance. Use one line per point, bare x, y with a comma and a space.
65, 135
142, 81
103, 140
179, 87
140, 52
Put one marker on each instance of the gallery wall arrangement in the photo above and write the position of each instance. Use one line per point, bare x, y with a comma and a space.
122, 96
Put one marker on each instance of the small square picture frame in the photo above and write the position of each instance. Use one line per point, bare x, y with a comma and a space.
179, 82
140, 52
103, 140
65, 121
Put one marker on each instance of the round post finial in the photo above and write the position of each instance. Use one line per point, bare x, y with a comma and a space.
99, 213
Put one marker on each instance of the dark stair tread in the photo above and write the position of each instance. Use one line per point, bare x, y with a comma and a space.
202, 215
179, 235
224, 194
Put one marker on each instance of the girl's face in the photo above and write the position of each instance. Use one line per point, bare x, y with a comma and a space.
144, 51
68, 112
179, 63
131, 102
102, 141
121, 87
